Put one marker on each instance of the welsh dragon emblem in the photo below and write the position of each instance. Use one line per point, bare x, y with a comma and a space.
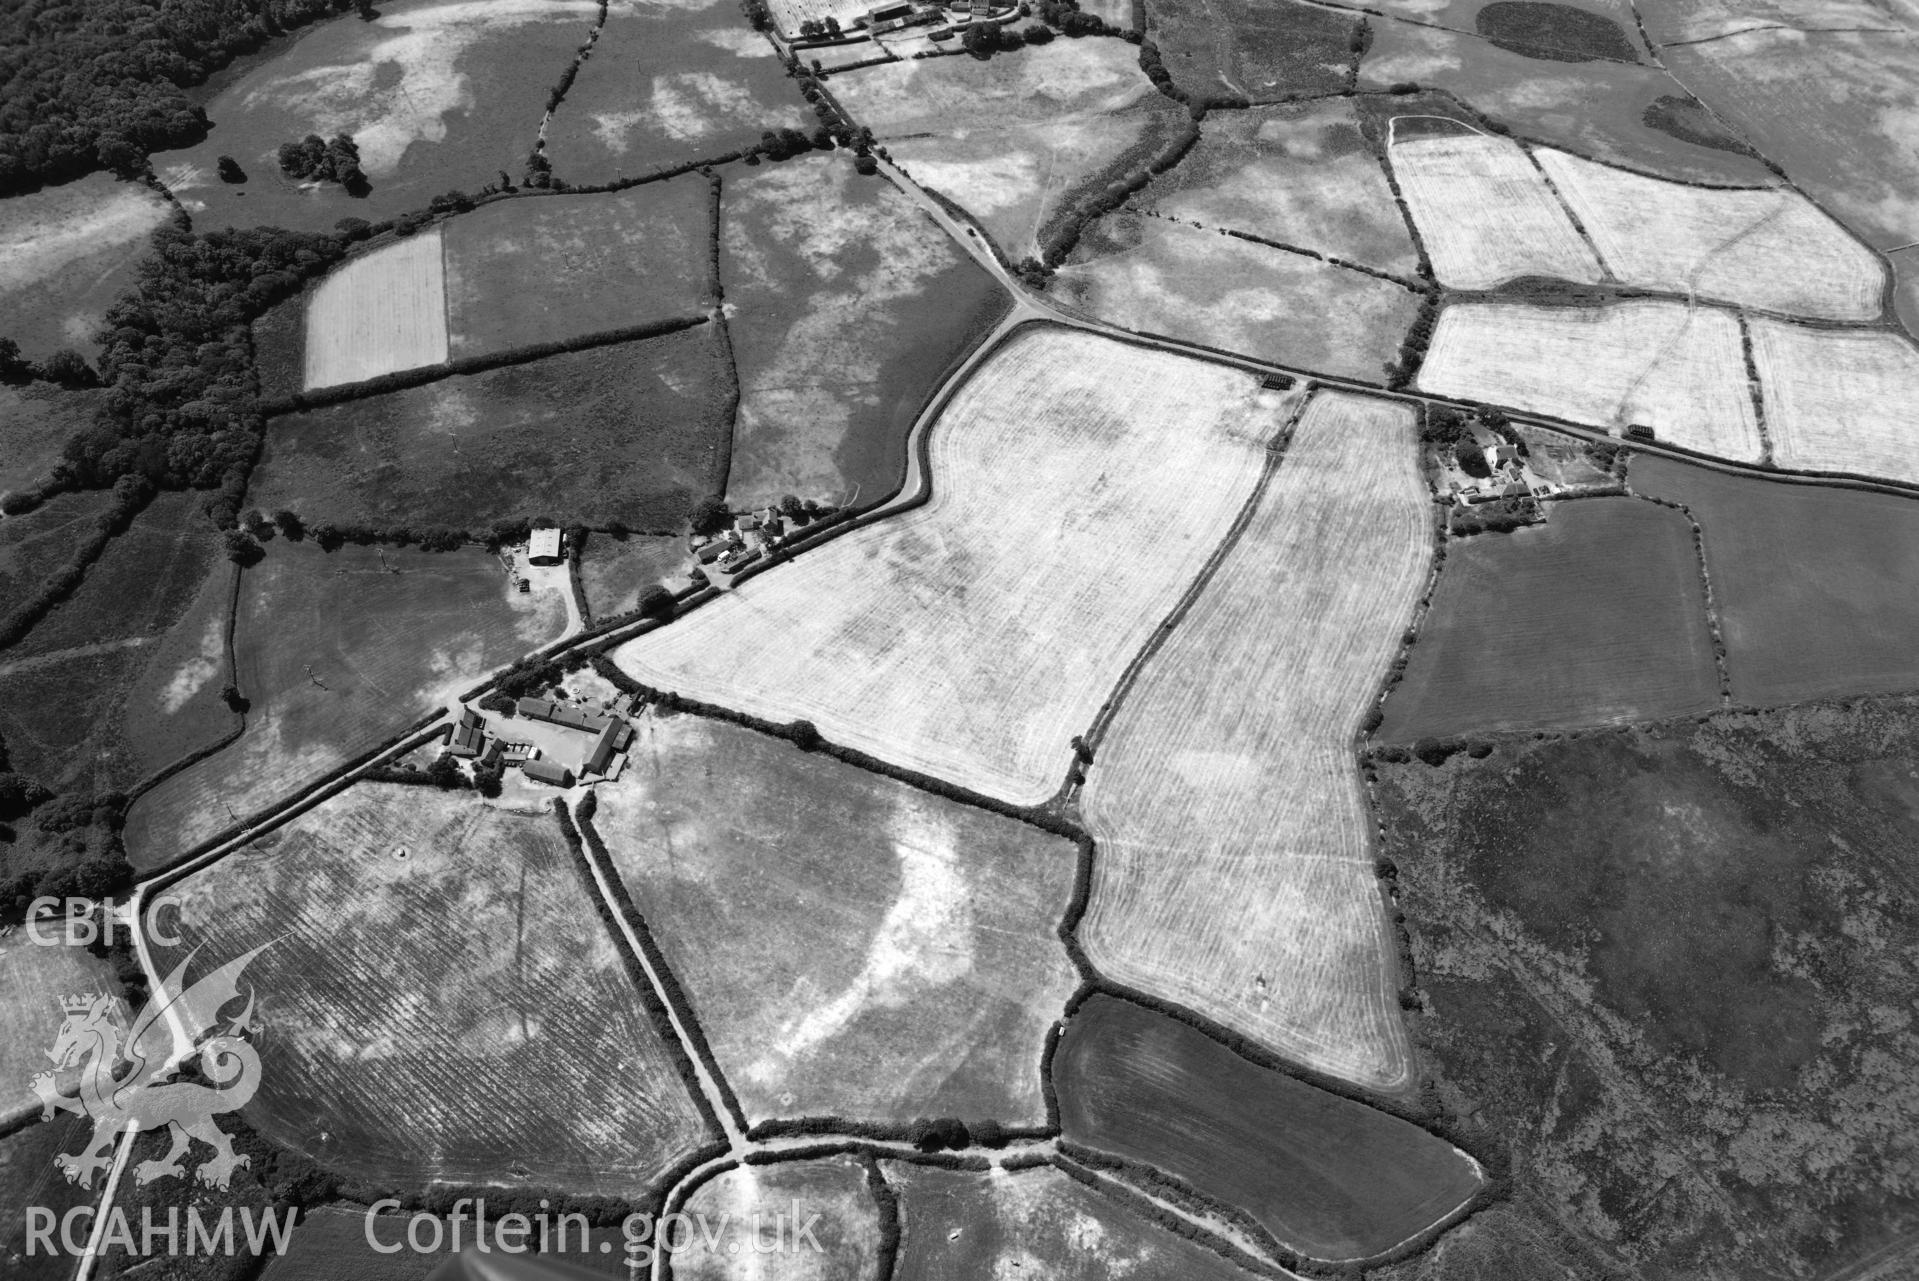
126, 1075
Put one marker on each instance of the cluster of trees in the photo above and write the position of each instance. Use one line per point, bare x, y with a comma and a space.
1436, 751
1412, 348
784, 144
757, 14
66, 367
64, 848
100, 85
319, 159
130, 494
984, 39
1065, 15
818, 29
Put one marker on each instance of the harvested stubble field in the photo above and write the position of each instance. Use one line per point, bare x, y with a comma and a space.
851, 946
65, 254
1817, 589
36, 421
1485, 213
28, 1177
553, 268
1328, 1177
1769, 248
1016, 139
338, 653
742, 1204
960, 1226
379, 313
1232, 871
441, 1002
846, 305
438, 94
668, 84
635, 432
1598, 616
1301, 175
1666, 969
1677, 368
1252, 51
34, 978
1078, 486
1152, 275
1839, 400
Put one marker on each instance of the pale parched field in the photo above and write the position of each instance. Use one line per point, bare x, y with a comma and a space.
33, 979
1676, 368
1078, 486
1232, 872
66, 253
1485, 213
1839, 400
742, 1205
378, 314
1765, 247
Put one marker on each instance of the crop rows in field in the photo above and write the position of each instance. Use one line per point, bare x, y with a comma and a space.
1839, 400
378, 314
1233, 872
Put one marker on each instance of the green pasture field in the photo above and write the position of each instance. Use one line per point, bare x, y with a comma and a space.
959, 1225
35, 544
1259, 52
66, 253
634, 432
338, 652
851, 946
847, 304
667, 85
614, 571
1597, 616
444, 1002
174, 705
1817, 588
1330, 1178
743, 1203
1665, 970
553, 268
28, 1177
439, 95
36, 421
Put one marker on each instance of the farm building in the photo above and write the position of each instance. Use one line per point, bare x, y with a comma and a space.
545, 709
552, 773
469, 736
544, 547
612, 741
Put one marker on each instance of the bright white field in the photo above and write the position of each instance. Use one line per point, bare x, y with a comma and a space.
1677, 369
1486, 214
1232, 871
1840, 400
1079, 484
379, 314
33, 980
1767, 247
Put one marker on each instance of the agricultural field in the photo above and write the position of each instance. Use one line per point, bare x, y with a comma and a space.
1558, 32
1237, 50
1597, 616
36, 420
1676, 368
614, 571
1838, 400
65, 254
753, 1206
851, 946
555, 268
174, 706
1328, 1177
1155, 276
1079, 486
1767, 248
34, 544
1301, 175
635, 432
379, 313
338, 653
1246, 892
34, 978
438, 94
846, 305
668, 84
1018, 139
1817, 588
1485, 213
441, 1001
1665, 969
960, 1226
28, 1177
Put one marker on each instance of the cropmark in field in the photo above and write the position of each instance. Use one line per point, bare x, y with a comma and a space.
850, 945
1078, 486
1486, 214
1242, 51
66, 253
441, 1002
1677, 368
1156, 276
34, 978
845, 304
338, 653
1839, 400
379, 313
795, 1220
1769, 248
1233, 871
